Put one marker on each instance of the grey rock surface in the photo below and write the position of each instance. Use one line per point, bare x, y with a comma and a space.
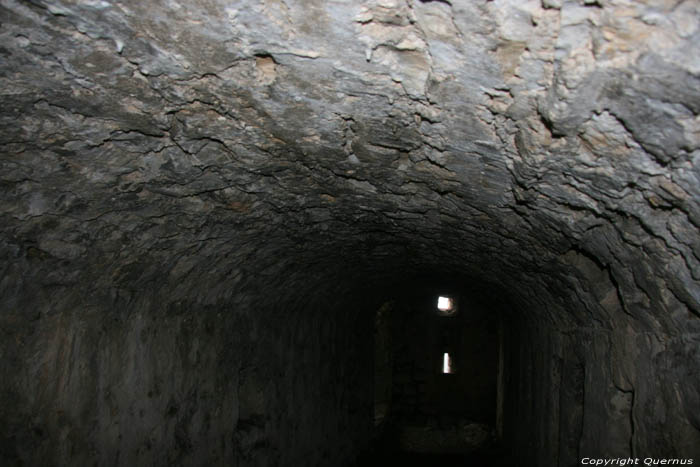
199, 199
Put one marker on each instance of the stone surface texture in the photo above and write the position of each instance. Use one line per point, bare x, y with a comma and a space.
201, 200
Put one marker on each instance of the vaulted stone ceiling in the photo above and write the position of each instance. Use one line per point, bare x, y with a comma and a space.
546, 150
493, 137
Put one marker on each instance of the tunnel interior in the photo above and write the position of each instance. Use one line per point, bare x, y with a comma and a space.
436, 378
225, 226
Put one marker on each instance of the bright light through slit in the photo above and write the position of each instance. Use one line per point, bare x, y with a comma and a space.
446, 363
444, 303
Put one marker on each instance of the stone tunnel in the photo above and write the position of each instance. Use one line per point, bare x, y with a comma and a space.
225, 227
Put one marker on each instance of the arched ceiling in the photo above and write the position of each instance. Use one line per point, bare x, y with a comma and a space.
545, 147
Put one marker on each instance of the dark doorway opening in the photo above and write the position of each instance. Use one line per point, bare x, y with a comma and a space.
436, 378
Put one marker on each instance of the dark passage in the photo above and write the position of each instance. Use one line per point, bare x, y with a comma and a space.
436, 367
225, 226
439, 376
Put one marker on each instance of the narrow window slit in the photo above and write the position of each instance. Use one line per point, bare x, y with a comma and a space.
446, 306
446, 364
444, 303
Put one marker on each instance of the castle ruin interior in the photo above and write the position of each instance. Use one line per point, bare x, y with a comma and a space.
335, 232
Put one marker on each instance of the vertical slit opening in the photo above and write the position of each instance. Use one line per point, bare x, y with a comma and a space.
446, 364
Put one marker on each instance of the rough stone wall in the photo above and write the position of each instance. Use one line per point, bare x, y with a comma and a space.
140, 380
584, 391
215, 152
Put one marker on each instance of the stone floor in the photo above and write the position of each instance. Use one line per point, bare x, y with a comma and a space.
388, 450
390, 457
